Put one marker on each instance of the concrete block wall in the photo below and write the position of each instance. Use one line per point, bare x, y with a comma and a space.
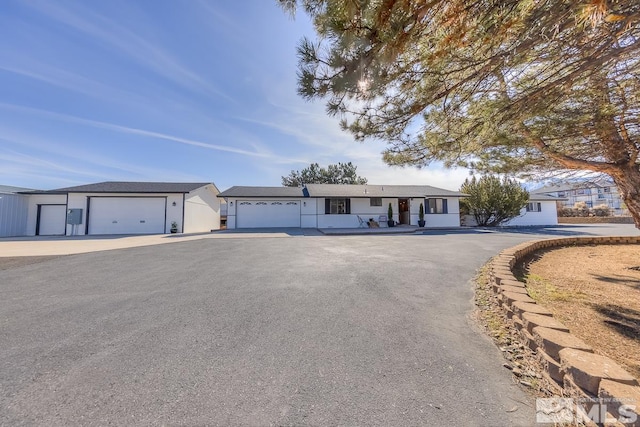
567, 360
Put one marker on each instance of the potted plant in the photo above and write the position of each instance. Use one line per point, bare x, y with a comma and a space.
421, 216
390, 221
174, 227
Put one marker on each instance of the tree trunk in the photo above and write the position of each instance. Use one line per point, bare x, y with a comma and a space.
627, 178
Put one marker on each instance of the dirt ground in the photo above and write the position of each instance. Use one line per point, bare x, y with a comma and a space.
595, 291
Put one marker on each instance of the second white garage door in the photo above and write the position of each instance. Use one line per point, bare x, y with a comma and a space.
127, 215
267, 213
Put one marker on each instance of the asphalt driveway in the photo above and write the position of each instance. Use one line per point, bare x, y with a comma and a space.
318, 330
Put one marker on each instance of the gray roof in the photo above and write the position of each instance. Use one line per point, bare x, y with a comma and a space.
240, 191
554, 188
341, 190
8, 189
130, 187
369, 190
544, 197
573, 185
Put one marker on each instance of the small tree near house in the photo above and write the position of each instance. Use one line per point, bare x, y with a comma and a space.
492, 201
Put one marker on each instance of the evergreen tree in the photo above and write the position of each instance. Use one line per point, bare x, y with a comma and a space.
342, 173
499, 86
491, 201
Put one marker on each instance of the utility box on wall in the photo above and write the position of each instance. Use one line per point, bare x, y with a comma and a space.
74, 216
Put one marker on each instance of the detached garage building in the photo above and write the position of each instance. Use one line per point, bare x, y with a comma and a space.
123, 208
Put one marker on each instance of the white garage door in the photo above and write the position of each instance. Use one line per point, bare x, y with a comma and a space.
268, 213
52, 221
127, 215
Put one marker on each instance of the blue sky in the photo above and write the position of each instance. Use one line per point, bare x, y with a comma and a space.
166, 90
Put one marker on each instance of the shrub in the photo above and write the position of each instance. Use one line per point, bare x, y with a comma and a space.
601, 210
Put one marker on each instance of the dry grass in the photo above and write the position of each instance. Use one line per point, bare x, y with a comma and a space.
595, 291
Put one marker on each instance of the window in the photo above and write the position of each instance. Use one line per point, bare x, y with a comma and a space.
534, 207
436, 206
375, 201
561, 193
337, 206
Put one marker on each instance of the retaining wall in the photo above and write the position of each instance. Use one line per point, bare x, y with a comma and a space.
567, 360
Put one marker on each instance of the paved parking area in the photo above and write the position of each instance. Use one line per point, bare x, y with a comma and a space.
305, 330
67, 245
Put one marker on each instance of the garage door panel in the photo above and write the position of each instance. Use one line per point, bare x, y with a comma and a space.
268, 213
52, 221
127, 215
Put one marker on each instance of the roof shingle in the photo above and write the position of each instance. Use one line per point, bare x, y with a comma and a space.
341, 190
240, 191
369, 190
131, 187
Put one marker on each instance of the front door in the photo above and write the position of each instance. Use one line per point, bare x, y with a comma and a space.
404, 212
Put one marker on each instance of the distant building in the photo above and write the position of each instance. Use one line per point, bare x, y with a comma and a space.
593, 193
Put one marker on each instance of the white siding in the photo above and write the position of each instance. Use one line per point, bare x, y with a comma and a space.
359, 207
40, 199
309, 218
231, 213
14, 209
450, 219
547, 216
78, 201
202, 210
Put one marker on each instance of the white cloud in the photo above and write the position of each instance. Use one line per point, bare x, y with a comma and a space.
325, 143
54, 159
151, 134
128, 42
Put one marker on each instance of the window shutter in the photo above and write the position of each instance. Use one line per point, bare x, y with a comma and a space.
444, 206
539, 207
327, 206
347, 204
